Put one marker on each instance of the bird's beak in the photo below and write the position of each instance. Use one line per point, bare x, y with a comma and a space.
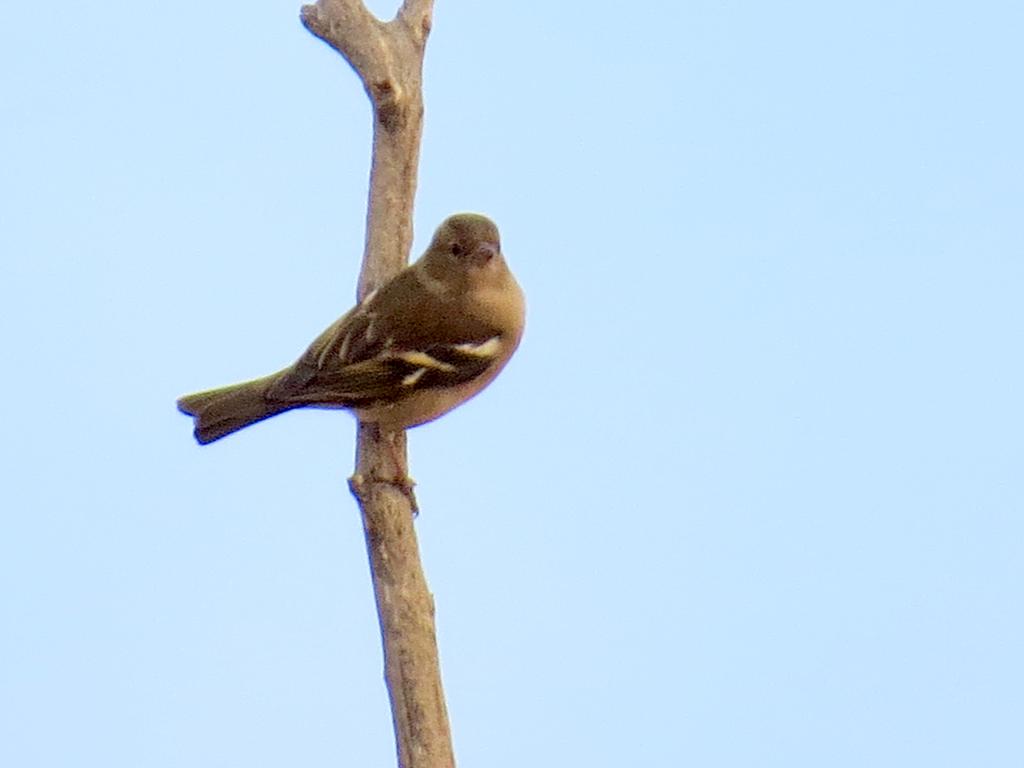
484, 253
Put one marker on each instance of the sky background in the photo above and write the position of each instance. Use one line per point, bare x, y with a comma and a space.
749, 494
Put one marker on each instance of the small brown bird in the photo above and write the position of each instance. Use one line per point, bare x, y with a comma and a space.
421, 344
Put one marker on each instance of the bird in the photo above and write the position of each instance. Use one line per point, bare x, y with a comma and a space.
421, 344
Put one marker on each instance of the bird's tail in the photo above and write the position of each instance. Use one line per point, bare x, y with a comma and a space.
219, 412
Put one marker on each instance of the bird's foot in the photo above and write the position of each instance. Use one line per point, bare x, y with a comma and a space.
404, 485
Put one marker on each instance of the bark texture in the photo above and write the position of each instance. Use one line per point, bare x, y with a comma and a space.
388, 58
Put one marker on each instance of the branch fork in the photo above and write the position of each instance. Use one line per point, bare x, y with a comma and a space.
388, 58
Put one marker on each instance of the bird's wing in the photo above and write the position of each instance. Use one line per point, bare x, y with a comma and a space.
399, 341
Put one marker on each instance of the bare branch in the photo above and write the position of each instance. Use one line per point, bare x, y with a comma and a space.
349, 28
388, 57
417, 14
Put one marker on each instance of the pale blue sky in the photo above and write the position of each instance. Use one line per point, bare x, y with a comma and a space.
749, 495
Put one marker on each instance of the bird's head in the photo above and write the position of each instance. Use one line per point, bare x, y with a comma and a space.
467, 241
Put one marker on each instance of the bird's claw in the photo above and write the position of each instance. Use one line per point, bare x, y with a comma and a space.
403, 485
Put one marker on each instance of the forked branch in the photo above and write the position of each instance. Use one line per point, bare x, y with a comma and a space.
388, 58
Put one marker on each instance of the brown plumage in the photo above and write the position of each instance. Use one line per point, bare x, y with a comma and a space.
420, 345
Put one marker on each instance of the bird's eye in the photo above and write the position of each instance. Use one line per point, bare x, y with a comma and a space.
457, 249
